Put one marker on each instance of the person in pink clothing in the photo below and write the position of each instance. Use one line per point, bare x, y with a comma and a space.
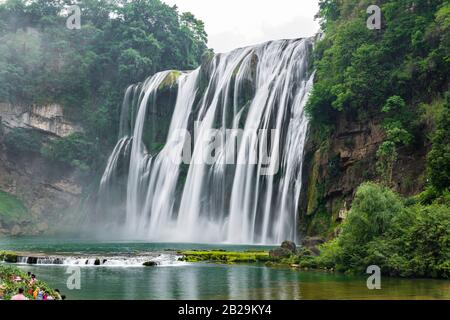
19, 296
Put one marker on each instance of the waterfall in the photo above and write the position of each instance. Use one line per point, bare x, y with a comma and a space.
248, 107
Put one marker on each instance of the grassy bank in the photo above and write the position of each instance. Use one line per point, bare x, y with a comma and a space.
8, 256
12, 278
225, 256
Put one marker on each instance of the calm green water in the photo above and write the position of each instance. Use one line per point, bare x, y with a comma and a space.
206, 281
82, 246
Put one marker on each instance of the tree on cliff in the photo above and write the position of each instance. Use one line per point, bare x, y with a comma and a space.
385, 74
87, 70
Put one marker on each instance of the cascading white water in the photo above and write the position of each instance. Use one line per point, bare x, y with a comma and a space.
264, 88
163, 259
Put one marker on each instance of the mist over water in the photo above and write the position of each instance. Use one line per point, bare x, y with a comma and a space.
146, 195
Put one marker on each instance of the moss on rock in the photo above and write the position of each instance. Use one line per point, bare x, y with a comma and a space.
171, 80
8, 256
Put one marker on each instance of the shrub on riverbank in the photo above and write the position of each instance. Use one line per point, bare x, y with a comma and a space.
402, 236
381, 229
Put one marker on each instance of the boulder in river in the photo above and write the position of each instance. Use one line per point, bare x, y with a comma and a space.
312, 244
287, 249
8, 256
312, 241
32, 260
150, 264
290, 246
279, 253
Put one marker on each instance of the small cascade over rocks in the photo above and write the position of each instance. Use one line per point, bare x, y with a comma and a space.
164, 259
146, 195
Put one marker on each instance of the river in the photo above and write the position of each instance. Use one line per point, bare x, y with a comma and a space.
122, 276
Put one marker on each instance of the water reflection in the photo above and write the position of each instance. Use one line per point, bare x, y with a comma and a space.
208, 281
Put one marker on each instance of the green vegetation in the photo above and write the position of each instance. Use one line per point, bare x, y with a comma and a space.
224, 256
87, 70
404, 238
396, 77
389, 73
439, 156
359, 69
396, 125
8, 256
75, 149
12, 209
9, 287
23, 140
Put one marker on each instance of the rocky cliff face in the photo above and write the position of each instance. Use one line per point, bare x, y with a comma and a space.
47, 118
48, 190
334, 170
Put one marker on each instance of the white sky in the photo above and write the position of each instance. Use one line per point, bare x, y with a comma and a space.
231, 24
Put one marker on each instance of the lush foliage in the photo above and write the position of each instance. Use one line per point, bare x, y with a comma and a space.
398, 77
439, 156
74, 149
9, 287
23, 140
382, 230
388, 73
87, 70
359, 69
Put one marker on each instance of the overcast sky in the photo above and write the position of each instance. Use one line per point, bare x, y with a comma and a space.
237, 23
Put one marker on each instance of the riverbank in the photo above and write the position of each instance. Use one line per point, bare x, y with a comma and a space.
286, 256
13, 280
302, 259
123, 277
313, 254
230, 281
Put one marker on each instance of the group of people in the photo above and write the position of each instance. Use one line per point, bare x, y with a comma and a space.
33, 291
